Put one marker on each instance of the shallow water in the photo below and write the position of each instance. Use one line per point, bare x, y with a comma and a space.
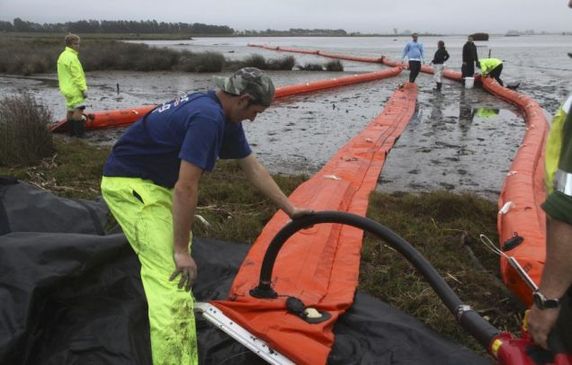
449, 144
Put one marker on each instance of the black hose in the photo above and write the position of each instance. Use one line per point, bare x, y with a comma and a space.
469, 320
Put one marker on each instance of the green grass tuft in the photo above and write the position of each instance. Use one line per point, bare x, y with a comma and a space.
335, 66
24, 137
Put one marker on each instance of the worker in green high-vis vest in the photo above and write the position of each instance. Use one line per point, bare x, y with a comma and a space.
491, 67
550, 317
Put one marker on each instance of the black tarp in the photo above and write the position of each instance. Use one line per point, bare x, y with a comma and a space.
71, 295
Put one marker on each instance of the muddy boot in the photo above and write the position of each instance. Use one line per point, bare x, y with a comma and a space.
77, 128
71, 127
80, 127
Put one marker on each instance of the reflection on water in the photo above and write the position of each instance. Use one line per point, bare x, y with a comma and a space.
466, 112
455, 146
436, 108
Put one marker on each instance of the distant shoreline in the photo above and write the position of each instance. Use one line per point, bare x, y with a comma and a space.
177, 36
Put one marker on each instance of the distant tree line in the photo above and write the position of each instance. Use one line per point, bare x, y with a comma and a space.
115, 26
153, 27
294, 32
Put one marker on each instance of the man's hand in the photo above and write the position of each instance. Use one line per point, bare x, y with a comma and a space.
186, 266
540, 323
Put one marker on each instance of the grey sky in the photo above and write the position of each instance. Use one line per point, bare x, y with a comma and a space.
371, 16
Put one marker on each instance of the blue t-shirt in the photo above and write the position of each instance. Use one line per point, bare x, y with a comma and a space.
191, 128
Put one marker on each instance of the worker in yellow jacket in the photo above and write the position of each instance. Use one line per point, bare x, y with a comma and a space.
550, 317
72, 84
491, 67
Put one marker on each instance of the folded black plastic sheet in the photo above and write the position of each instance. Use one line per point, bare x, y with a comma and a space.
76, 298
373, 332
24, 208
70, 299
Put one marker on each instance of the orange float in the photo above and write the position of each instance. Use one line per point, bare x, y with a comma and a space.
450, 74
520, 214
106, 119
319, 265
124, 117
335, 82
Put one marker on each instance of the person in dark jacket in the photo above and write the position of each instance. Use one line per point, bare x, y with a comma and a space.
470, 57
441, 55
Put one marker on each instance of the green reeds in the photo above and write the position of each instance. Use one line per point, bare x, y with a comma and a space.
24, 137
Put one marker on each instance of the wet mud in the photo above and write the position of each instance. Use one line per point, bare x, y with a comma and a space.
459, 140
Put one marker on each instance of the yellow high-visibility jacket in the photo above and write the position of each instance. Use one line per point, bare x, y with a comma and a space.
488, 64
554, 143
70, 74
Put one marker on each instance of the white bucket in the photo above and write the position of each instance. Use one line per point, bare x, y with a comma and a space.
469, 82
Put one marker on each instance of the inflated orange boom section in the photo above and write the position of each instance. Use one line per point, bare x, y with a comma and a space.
523, 189
522, 193
319, 265
335, 82
448, 73
107, 119
124, 117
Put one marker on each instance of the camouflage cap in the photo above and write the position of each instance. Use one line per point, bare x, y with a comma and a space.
251, 81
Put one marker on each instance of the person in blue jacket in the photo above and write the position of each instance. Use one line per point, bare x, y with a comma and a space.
414, 52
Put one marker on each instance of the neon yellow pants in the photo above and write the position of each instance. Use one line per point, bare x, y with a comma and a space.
143, 210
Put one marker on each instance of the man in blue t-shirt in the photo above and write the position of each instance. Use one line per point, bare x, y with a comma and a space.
150, 183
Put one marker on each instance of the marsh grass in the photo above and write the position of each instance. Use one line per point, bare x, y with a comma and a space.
28, 55
254, 60
72, 171
25, 56
334, 65
445, 228
234, 209
311, 67
24, 137
203, 62
285, 63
